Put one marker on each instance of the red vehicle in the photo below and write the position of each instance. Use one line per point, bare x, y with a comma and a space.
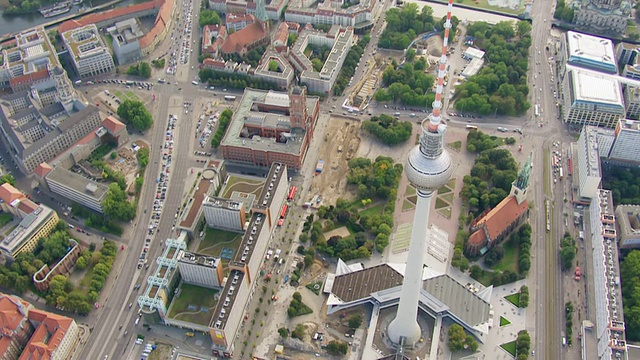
283, 212
292, 193
122, 247
79, 230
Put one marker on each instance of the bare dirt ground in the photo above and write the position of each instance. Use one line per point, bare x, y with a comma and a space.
342, 141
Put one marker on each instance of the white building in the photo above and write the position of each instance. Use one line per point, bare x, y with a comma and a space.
200, 270
224, 214
339, 39
33, 227
626, 145
610, 327
76, 188
589, 174
90, 56
125, 44
591, 98
591, 52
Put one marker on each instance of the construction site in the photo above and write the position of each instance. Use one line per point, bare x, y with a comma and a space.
341, 144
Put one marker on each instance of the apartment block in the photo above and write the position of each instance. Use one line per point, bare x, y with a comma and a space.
224, 214
76, 188
200, 270
628, 222
90, 56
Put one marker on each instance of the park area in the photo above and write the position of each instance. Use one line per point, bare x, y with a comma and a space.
193, 304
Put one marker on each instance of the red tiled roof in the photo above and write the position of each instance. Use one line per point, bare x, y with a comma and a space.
27, 206
236, 18
106, 15
10, 315
243, 38
213, 63
43, 169
112, 124
8, 193
499, 218
29, 78
282, 34
162, 21
47, 336
477, 238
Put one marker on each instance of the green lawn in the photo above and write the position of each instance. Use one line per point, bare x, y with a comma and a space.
373, 210
11, 229
241, 184
456, 145
410, 191
451, 184
214, 240
510, 347
5, 218
514, 299
316, 287
444, 190
510, 259
407, 205
446, 212
198, 298
447, 197
504, 321
440, 203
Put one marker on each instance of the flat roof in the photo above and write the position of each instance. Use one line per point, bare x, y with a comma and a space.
27, 226
596, 88
77, 182
197, 259
84, 41
361, 284
462, 302
245, 113
591, 49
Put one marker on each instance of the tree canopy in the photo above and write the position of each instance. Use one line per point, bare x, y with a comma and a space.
349, 65
623, 183
567, 251
404, 24
407, 84
459, 340
501, 86
116, 206
490, 179
223, 124
630, 276
388, 129
142, 69
136, 114
8, 178
208, 17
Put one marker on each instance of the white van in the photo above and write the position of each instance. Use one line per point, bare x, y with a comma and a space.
195, 83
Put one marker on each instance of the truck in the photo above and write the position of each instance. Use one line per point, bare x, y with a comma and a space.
319, 166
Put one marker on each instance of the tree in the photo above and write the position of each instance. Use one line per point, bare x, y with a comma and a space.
142, 69
336, 347
524, 296
81, 263
298, 332
284, 333
223, 123
143, 157
273, 66
8, 178
208, 17
116, 206
457, 337
355, 321
136, 114
567, 251
388, 129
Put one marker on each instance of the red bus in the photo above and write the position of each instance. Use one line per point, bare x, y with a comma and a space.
292, 193
283, 212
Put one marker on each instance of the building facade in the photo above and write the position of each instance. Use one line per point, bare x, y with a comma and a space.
90, 56
591, 99
200, 270
626, 53
626, 145
271, 127
224, 214
24, 238
601, 16
76, 188
632, 102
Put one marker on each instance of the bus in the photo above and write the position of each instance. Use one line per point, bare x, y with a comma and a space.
555, 161
230, 98
537, 110
472, 127
292, 193
561, 173
283, 213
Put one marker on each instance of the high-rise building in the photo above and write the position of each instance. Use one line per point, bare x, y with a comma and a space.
224, 214
589, 174
626, 145
590, 52
201, 270
428, 168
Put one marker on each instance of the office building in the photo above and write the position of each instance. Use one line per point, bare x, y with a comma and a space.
603, 17
271, 127
89, 55
591, 98
76, 188
628, 222
200, 270
29, 62
609, 321
359, 16
590, 52
224, 214
589, 172
339, 39
632, 102
190, 219
15, 202
626, 145
125, 41
626, 53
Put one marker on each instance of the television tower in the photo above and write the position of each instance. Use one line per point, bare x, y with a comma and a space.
428, 168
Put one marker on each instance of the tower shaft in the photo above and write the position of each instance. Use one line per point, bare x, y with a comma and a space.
406, 324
